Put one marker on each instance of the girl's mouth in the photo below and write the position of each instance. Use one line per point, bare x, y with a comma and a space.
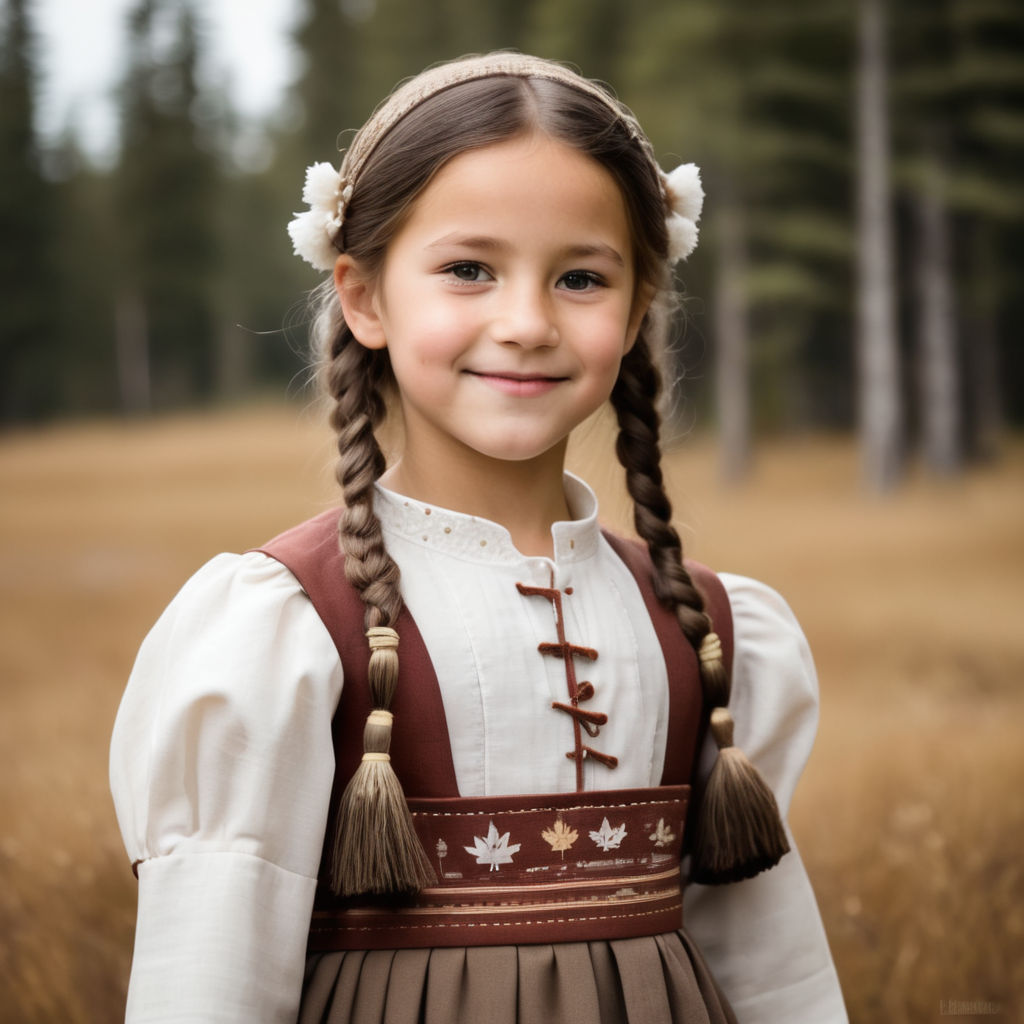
520, 385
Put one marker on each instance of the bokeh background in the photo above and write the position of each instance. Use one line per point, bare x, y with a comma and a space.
845, 421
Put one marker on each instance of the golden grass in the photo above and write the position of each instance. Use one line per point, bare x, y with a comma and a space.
910, 816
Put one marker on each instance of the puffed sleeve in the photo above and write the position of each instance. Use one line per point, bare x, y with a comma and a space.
763, 938
221, 768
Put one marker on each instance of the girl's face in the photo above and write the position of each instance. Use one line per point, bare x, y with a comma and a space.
506, 301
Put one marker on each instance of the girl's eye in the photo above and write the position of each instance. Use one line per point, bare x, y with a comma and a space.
471, 272
579, 280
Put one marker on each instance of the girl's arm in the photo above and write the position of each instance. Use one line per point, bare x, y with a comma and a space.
763, 938
221, 769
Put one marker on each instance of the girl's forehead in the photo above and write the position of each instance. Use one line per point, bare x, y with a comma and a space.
529, 184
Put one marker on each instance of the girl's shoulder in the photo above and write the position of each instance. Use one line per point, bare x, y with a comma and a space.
774, 684
235, 679
233, 606
251, 577
231, 587
240, 634
764, 613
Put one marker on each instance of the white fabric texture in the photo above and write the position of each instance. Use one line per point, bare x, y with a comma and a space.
222, 759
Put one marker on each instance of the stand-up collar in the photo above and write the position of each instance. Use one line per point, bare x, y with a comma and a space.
481, 540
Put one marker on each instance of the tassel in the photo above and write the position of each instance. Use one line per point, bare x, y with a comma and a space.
739, 831
376, 848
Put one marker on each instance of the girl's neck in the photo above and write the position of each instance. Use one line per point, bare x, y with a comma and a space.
525, 497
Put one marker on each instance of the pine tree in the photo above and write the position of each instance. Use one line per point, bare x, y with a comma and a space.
29, 367
759, 97
168, 184
332, 93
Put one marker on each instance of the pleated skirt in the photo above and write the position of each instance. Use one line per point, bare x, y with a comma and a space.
661, 979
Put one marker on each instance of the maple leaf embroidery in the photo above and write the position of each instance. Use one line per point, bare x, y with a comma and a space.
493, 850
662, 835
560, 837
609, 838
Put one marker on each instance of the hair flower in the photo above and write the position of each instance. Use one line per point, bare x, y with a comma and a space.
685, 198
314, 231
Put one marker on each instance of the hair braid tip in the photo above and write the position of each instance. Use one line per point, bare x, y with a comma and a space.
376, 848
739, 829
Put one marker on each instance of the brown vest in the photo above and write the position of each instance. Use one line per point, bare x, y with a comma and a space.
422, 759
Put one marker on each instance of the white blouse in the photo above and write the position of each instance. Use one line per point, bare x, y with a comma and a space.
222, 759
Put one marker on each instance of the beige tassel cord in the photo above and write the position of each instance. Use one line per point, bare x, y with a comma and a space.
375, 844
739, 830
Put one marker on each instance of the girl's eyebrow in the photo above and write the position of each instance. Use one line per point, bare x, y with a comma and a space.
596, 249
484, 243
481, 243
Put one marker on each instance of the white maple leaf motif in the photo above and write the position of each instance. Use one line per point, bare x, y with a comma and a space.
609, 838
662, 835
493, 850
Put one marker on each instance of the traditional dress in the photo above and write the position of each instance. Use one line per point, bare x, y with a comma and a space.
223, 763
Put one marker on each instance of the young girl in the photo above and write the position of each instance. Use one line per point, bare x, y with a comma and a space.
501, 240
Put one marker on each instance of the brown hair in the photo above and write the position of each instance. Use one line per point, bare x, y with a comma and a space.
471, 115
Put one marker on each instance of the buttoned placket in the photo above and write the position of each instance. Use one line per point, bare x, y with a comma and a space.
566, 651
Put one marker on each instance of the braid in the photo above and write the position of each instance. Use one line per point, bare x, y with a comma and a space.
355, 378
739, 830
375, 844
634, 399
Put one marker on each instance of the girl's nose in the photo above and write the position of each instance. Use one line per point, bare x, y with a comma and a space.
526, 318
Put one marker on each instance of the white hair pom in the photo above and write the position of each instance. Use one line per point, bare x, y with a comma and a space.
311, 237
314, 231
323, 187
685, 198
682, 237
684, 191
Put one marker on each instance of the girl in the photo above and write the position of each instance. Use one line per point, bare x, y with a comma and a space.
500, 238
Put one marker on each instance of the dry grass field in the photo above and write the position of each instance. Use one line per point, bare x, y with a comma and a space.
910, 816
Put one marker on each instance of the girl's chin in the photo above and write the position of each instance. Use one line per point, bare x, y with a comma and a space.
518, 449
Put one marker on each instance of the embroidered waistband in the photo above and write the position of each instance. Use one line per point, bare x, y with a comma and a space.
566, 867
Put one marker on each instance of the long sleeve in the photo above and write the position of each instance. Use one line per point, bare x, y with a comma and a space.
763, 938
221, 769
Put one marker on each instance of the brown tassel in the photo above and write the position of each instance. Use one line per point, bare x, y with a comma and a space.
739, 830
376, 848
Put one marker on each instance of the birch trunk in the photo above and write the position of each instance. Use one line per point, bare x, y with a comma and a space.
879, 405
732, 382
938, 365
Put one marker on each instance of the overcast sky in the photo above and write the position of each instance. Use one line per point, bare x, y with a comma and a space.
82, 54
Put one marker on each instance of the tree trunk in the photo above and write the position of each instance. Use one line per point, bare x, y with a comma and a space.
732, 384
986, 421
879, 406
131, 335
938, 365
233, 362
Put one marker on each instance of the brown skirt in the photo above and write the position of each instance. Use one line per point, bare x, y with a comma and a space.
657, 980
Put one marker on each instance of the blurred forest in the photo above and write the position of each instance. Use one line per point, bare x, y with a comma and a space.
863, 230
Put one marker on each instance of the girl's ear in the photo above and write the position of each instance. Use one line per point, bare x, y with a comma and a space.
358, 303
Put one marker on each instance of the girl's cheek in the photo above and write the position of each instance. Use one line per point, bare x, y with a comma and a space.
434, 346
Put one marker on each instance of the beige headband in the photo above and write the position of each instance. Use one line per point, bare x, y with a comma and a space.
328, 191
516, 65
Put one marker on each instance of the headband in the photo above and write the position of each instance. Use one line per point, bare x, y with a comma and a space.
316, 233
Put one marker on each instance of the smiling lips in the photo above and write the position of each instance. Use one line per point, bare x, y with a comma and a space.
520, 385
